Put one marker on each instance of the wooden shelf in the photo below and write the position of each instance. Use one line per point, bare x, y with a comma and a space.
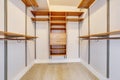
74, 13
30, 3
15, 36
58, 28
114, 32
40, 19
86, 3
58, 54
40, 13
10, 34
58, 22
102, 35
30, 37
46, 13
57, 18
57, 13
57, 49
75, 19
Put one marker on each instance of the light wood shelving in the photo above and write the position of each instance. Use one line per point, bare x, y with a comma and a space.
15, 36
86, 3
40, 19
57, 38
30, 3
75, 19
40, 13
102, 35
46, 13
58, 22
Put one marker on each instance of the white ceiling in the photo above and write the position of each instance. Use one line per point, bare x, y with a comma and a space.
65, 2
43, 4
46, 4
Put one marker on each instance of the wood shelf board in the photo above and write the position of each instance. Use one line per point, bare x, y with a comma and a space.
102, 35
58, 49
99, 35
11, 35
58, 22
40, 13
57, 54
58, 13
57, 18
114, 32
74, 13
75, 19
58, 28
40, 19
30, 37
30, 3
86, 3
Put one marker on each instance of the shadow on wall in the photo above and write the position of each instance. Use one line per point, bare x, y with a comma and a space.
99, 5
19, 4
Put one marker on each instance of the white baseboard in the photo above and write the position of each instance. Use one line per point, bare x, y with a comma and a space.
91, 69
57, 60
20, 75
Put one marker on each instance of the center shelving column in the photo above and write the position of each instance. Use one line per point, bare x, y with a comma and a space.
58, 34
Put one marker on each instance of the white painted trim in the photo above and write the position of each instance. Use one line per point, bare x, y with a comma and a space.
91, 69
56, 61
20, 75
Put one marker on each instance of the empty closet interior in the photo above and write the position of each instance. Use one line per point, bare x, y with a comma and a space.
64, 32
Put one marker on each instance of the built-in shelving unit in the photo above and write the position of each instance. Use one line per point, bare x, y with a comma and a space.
57, 33
15, 36
30, 3
86, 3
102, 35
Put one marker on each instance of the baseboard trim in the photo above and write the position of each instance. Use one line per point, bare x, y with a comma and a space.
20, 75
91, 69
57, 61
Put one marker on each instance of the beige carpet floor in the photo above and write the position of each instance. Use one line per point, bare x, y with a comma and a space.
63, 71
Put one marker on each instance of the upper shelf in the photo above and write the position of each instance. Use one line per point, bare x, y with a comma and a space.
86, 3
40, 19
58, 18
102, 35
11, 35
46, 13
75, 19
30, 3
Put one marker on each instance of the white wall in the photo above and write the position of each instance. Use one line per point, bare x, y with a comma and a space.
42, 46
114, 44
98, 24
72, 40
16, 49
98, 49
84, 43
30, 43
42, 31
1, 41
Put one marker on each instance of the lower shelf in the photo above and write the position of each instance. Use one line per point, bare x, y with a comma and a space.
58, 54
